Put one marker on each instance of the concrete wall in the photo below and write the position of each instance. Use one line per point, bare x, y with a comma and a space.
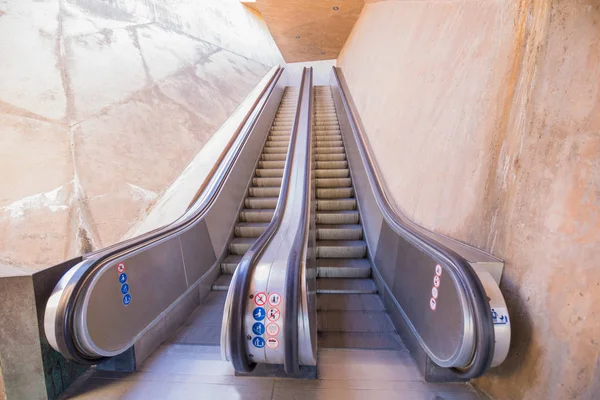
485, 119
102, 106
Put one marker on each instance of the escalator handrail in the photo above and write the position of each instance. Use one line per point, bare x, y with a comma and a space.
80, 275
292, 277
456, 265
240, 284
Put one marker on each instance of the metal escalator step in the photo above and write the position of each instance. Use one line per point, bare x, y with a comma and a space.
275, 150
335, 193
346, 286
349, 302
271, 164
333, 182
275, 144
338, 217
260, 202
222, 282
341, 248
332, 164
269, 173
354, 321
240, 245
230, 263
336, 204
329, 150
330, 157
278, 138
360, 340
332, 173
274, 157
266, 182
339, 232
328, 143
263, 191
280, 132
256, 215
250, 229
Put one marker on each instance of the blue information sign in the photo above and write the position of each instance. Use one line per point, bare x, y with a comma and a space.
259, 313
258, 342
123, 278
125, 288
127, 299
258, 328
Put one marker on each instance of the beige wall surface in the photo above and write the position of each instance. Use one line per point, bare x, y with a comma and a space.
485, 119
103, 105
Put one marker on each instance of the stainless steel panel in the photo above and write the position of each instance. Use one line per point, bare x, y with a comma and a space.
198, 252
156, 279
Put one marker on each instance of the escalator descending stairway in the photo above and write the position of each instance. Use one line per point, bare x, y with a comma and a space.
350, 312
203, 327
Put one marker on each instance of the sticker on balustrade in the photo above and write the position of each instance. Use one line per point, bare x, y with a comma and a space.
273, 314
274, 299
272, 343
258, 342
432, 304
259, 313
127, 299
434, 292
500, 315
438, 270
121, 268
122, 278
273, 329
258, 328
436, 281
260, 299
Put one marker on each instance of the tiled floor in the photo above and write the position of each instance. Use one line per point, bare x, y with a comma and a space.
182, 371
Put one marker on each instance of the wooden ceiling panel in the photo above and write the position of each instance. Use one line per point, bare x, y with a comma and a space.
310, 30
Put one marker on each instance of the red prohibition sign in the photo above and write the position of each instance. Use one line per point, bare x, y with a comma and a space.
121, 268
260, 299
273, 314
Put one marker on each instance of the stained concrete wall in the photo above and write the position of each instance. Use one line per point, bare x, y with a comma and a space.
485, 119
103, 104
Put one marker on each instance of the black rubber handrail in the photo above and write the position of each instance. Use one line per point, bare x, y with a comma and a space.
292, 278
86, 271
468, 281
240, 285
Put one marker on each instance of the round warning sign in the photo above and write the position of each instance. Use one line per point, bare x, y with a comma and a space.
258, 342
432, 304
273, 314
121, 268
260, 299
273, 329
436, 281
274, 299
438, 270
272, 343
434, 292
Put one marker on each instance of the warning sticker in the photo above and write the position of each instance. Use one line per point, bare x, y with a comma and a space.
273, 329
258, 342
258, 328
260, 299
274, 299
500, 315
121, 268
432, 304
438, 270
273, 314
436, 281
272, 343
434, 292
258, 313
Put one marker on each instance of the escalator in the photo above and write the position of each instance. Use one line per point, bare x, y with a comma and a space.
350, 312
293, 247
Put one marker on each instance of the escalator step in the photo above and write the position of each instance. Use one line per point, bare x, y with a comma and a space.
341, 248
250, 229
337, 217
333, 182
354, 321
335, 193
339, 232
349, 302
271, 164
263, 191
360, 340
261, 202
230, 263
346, 286
266, 182
273, 157
269, 173
332, 173
329, 150
240, 245
336, 204
222, 282
330, 157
